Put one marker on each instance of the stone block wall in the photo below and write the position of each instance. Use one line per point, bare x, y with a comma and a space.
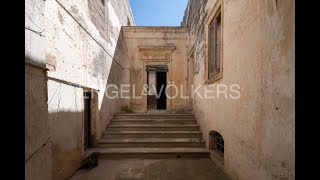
258, 46
80, 44
37, 127
157, 46
38, 164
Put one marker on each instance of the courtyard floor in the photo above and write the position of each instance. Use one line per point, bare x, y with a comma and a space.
149, 169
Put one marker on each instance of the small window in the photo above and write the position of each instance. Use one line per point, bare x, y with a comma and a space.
102, 1
128, 22
216, 144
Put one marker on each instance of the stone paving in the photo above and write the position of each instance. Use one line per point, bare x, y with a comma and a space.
152, 169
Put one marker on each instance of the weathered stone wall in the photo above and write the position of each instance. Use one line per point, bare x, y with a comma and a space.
35, 42
159, 40
81, 44
258, 54
37, 128
65, 116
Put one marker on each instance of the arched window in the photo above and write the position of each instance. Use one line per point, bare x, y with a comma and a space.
216, 143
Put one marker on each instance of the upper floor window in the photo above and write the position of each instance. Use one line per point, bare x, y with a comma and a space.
102, 1
214, 47
213, 70
128, 22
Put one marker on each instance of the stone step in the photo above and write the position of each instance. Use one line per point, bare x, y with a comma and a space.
151, 153
153, 116
152, 134
153, 121
152, 127
151, 142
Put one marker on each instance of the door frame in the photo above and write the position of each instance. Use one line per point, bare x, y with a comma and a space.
89, 124
162, 67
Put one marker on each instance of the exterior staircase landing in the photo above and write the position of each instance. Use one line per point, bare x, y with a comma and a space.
152, 136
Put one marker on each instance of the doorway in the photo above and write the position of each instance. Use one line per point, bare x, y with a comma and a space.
157, 83
87, 120
161, 90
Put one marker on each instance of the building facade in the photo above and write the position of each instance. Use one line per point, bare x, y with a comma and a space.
231, 64
73, 49
257, 52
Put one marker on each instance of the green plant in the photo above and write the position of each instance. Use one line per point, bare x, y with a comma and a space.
126, 109
90, 162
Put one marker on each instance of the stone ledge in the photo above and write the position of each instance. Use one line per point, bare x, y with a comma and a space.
35, 64
170, 47
176, 29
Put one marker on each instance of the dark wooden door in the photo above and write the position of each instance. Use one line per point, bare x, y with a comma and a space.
87, 120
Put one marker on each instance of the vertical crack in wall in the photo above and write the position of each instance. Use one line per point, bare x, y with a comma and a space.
38, 150
87, 32
259, 135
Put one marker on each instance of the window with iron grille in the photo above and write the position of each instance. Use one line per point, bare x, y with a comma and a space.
216, 143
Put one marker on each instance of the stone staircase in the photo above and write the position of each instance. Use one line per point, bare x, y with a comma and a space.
143, 136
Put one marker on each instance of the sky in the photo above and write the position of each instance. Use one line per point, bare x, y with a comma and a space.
158, 12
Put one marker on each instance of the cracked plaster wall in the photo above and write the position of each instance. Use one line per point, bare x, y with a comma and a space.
78, 42
84, 42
